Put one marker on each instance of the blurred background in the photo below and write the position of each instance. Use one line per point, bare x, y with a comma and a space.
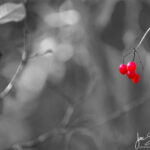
78, 85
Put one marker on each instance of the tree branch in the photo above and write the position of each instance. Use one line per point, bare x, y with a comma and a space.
40, 139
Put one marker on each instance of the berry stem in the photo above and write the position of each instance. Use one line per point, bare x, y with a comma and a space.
124, 56
143, 37
134, 54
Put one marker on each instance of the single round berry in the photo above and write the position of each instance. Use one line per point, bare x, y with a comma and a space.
131, 66
131, 74
123, 69
136, 79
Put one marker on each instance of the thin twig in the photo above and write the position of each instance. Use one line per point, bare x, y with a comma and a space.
125, 110
60, 130
40, 139
114, 115
12, 81
21, 66
70, 108
63, 131
143, 37
126, 55
68, 115
139, 44
38, 54
140, 60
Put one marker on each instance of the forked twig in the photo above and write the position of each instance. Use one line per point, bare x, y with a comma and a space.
134, 52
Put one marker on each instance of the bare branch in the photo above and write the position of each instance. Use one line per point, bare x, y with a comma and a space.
143, 37
12, 81
20, 68
41, 139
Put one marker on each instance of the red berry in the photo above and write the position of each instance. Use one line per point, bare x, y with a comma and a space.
131, 66
130, 74
136, 79
123, 69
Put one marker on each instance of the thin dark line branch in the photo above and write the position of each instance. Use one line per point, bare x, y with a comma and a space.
115, 115
125, 110
40, 139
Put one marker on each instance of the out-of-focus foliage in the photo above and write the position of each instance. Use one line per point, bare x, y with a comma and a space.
87, 39
11, 12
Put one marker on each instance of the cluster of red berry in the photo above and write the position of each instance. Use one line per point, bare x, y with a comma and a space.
129, 70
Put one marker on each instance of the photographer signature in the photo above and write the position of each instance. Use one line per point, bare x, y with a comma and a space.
142, 142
